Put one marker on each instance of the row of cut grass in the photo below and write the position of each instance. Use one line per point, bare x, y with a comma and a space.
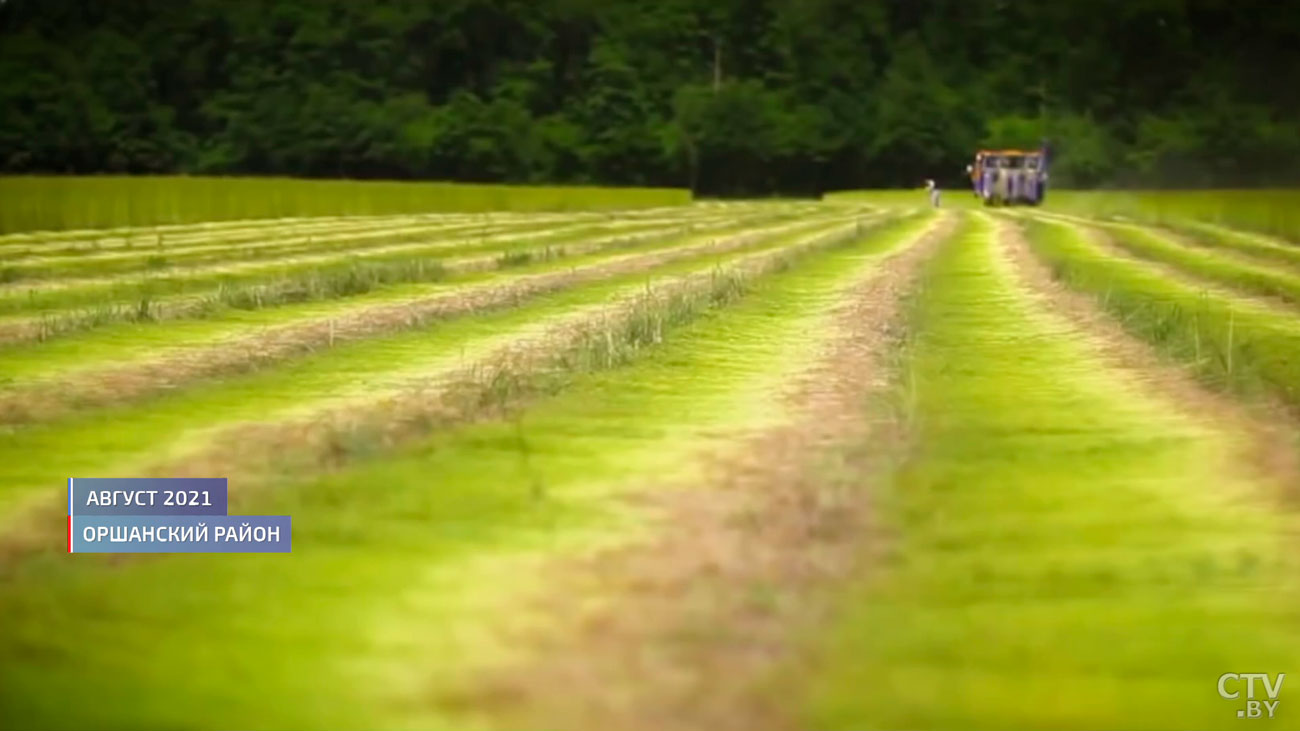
86, 306
1207, 264
329, 294
959, 199
33, 203
148, 259
1244, 245
1258, 246
1055, 562
390, 592
1229, 341
128, 343
373, 246
346, 236
377, 246
1274, 212
136, 241
248, 233
236, 234
131, 437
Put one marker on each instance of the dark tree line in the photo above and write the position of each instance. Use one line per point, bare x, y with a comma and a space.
728, 96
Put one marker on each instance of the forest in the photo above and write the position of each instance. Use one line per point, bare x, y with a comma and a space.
727, 97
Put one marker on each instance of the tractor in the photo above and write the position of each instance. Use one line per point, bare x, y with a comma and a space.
1009, 177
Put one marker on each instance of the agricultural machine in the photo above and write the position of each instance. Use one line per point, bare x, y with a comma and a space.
1009, 177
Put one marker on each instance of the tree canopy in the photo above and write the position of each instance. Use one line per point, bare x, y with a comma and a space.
729, 97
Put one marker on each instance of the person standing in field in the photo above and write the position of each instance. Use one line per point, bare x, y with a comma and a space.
934, 192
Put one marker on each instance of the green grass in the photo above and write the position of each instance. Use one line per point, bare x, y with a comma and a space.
128, 438
1231, 342
124, 341
1208, 264
251, 234
63, 203
1068, 551
1257, 246
295, 231
1275, 212
404, 568
958, 198
339, 290
125, 345
380, 237
1063, 548
64, 289
76, 305
276, 245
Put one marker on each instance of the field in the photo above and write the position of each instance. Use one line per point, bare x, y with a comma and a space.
62, 203
609, 459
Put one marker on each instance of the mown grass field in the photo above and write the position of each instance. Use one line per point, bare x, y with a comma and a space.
65, 203
1034, 468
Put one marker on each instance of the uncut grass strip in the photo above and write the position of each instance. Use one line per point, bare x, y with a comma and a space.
1218, 267
106, 384
1230, 341
132, 289
448, 517
1046, 517
348, 279
181, 426
33, 203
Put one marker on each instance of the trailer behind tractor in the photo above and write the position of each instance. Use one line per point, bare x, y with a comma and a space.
1009, 177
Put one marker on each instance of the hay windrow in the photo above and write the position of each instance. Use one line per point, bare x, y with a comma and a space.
45, 401
690, 625
597, 338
